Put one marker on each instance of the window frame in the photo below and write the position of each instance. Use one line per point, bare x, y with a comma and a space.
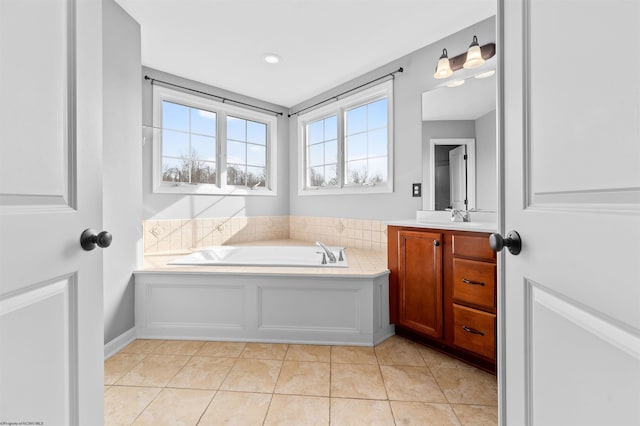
339, 109
222, 110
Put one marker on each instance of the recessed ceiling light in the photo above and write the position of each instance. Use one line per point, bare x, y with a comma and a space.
455, 83
271, 58
486, 74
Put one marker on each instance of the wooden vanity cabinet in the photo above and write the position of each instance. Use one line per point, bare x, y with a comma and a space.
442, 291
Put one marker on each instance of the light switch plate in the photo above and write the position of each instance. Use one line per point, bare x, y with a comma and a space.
416, 189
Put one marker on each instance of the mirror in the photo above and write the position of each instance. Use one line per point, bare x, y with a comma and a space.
459, 144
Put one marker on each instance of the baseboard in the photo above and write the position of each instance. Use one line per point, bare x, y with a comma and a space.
112, 347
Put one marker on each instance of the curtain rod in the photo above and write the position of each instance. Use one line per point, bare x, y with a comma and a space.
146, 77
337, 97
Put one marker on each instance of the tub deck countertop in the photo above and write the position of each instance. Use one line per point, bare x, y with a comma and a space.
361, 264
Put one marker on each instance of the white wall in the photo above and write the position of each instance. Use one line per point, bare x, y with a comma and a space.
122, 156
419, 67
177, 206
486, 166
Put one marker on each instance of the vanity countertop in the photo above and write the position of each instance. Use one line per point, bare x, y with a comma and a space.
456, 226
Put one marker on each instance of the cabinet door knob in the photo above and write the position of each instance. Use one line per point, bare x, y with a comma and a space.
436, 243
512, 242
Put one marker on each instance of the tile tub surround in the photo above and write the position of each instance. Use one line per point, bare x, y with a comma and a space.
165, 236
396, 382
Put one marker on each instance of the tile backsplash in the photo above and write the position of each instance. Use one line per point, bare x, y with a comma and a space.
161, 236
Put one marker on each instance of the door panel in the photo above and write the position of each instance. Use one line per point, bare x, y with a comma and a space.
458, 177
420, 282
583, 347
45, 315
572, 297
51, 324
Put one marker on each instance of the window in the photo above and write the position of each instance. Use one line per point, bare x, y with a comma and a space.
202, 146
347, 146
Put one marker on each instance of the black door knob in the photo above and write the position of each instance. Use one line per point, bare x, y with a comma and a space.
90, 239
512, 242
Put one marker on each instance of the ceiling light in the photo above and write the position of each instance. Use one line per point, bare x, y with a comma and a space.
474, 55
455, 83
271, 58
486, 74
443, 70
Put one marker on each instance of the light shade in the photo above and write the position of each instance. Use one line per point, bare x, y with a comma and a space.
474, 55
271, 58
443, 70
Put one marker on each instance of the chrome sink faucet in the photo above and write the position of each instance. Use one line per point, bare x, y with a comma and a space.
329, 253
460, 215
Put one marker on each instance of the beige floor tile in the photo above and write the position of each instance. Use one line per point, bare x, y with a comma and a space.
304, 378
314, 353
398, 351
406, 383
253, 375
236, 408
178, 347
295, 410
467, 386
119, 365
423, 414
355, 412
265, 351
437, 359
203, 372
154, 370
476, 415
353, 355
357, 381
221, 349
142, 346
176, 407
123, 404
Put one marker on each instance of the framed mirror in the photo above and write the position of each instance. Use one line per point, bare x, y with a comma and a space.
459, 143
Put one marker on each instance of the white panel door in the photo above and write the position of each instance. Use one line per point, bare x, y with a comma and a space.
458, 177
570, 332
51, 329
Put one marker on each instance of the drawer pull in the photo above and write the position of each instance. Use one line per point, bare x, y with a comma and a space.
472, 331
466, 281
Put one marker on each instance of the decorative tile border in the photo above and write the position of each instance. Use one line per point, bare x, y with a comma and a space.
161, 236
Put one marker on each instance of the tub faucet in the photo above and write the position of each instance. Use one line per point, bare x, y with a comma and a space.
460, 215
329, 253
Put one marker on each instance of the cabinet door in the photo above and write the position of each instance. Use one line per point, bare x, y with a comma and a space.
420, 282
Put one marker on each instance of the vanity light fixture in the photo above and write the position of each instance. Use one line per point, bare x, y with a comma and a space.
447, 66
486, 74
455, 83
443, 69
474, 55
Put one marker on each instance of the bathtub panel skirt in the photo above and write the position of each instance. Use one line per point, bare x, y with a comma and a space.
263, 308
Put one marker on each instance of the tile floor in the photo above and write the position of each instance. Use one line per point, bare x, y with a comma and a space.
167, 382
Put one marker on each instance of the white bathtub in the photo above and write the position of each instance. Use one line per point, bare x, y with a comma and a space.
342, 306
306, 256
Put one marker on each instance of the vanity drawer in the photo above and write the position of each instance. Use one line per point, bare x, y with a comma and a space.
474, 330
474, 282
473, 246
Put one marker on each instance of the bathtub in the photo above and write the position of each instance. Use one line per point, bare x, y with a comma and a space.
309, 256
286, 304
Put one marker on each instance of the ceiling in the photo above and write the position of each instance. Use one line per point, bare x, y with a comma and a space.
321, 43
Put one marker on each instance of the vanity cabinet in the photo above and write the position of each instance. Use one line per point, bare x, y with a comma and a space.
442, 291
